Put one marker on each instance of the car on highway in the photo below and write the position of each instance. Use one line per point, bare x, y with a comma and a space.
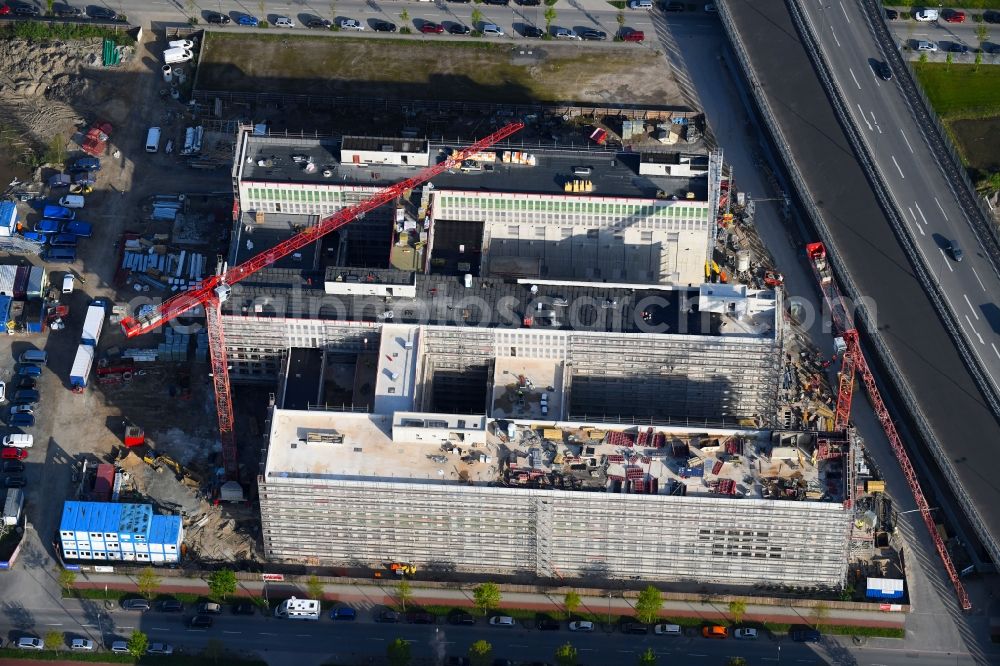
883, 70
21, 420
714, 631
387, 616
316, 22
459, 29
502, 621
891, 14
925, 15
66, 11
160, 648
102, 14
431, 28
745, 634
217, 19
564, 33
632, 35
531, 32
492, 30
13, 453
244, 608
954, 16
953, 250
30, 643
247, 20
462, 618
581, 625
135, 604
26, 397
200, 621
384, 26
82, 644
171, 606
351, 24
804, 635
343, 614
924, 45
15, 482
593, 35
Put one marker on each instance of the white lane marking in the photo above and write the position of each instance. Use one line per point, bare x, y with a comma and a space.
943, 256
921, 230
920, 211
835, 37
126, 627
159, 628
232, 632
977, 278
912, 214
264, 633
938, 203
845, 12
995, 351
54, 624
695, 654
974, 330
911, 148
855, 79
519, 646
897, 167
970, 307
303, 635
863, 116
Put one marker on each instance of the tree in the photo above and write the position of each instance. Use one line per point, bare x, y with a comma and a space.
566, 655
550, 16
53, 640
647, 606
487, 596
137, 644
647, 658
398, 653
923, 57
404, 593
67, 579
222, 583
982, 34
737, 609
148, 582
820, 614
480, 653
571, 602
477, 18
404, 16
979, 59
314, 588
620, 17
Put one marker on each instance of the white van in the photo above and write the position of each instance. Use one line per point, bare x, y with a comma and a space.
173, 56
181, 44
68, 281
153, 140
640, 4
72, 201
19, 440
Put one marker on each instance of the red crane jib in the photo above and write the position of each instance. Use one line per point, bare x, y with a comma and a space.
205, 292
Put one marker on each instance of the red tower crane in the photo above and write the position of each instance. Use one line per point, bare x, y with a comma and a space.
853, 363
214, 290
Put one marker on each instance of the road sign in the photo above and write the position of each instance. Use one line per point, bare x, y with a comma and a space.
274, 578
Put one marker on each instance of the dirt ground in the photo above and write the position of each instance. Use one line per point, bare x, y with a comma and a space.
979, 141
547, 72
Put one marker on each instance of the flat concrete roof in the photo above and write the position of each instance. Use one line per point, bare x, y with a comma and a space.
753, 464
398, 357
255, 237
271, 159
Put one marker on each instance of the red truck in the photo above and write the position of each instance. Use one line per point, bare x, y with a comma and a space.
96, 139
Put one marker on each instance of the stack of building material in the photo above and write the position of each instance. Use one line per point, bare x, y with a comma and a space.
141, 355
175, 346
166, 207
201, 347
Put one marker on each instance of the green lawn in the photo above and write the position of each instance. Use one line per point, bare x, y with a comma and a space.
959, 91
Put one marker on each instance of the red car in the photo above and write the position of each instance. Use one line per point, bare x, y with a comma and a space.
4, 9
14, 453
433, 28
952, 16
629, 35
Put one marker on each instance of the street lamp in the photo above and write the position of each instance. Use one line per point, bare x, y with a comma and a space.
609, 610
779, 655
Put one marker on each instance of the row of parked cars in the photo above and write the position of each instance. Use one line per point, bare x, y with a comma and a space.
62, 10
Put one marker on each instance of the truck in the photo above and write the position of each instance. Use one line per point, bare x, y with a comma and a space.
55, 212
93, 323
12, 506
173, 56
82, 363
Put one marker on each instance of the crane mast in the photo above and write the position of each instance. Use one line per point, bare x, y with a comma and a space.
214, 290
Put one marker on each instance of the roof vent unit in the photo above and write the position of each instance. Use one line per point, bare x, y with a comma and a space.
324, 438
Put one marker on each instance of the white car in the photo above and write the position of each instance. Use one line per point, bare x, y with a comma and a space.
160, 648
745, 634
582, 625
283, 22
351, 24
502, 621
926, 15
81, 644
492, 29
926, 46
119, 646
181, 44
564, 33
3, 391
30, 643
